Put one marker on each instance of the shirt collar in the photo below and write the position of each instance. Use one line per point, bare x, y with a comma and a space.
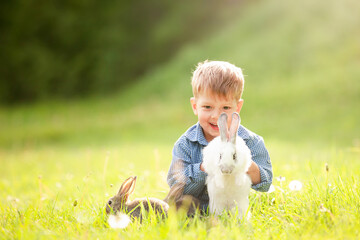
196, 134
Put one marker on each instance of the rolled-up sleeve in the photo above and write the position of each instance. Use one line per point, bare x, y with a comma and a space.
261, 157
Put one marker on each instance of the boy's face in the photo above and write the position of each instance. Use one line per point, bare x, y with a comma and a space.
208, 107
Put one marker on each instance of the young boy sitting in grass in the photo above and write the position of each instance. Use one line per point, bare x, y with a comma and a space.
217, 87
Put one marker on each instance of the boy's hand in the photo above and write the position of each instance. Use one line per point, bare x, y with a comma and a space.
202, 167
254, 173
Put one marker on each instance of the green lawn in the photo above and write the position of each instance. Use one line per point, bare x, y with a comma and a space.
302, 94
40, 187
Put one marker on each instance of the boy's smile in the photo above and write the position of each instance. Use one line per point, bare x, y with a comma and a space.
208, 107
214, 126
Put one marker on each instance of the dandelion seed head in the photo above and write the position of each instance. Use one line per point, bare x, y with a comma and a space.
119, 220
295, 185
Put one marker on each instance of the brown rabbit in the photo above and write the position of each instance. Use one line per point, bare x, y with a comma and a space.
120, 202
176, 198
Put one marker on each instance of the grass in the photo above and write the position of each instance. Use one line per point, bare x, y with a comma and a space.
61, 160
41, 188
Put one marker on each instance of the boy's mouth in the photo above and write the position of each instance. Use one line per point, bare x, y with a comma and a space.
214, 126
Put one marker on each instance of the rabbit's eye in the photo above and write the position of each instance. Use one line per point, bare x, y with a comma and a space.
109, 202
234, 156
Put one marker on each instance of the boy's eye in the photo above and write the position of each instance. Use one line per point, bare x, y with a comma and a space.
227, 108
207, 107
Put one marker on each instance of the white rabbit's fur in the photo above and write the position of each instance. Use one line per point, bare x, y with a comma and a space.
227, 191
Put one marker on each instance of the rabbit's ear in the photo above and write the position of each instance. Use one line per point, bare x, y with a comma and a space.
222, 124
127, 188
235, 121
175, 193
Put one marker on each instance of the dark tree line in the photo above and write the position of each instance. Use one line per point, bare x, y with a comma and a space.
70, 48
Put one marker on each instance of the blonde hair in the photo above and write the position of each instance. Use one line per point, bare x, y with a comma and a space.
221, 78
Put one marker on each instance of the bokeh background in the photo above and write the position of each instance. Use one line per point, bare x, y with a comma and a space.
90, 72
77, 48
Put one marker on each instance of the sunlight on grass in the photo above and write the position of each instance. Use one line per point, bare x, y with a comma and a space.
64, 194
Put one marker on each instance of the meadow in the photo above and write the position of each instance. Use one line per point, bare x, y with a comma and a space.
61, 160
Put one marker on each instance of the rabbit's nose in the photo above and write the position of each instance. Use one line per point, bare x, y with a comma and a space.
226, 169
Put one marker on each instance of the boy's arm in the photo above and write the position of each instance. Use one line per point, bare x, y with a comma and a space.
260, 170
186, 170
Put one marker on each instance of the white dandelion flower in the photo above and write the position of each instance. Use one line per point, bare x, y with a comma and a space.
119, 221
295, 185
280, 178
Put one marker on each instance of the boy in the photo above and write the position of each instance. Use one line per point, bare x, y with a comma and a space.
217, 87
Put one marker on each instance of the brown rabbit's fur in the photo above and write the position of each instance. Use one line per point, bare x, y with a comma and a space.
175, 197
120, 202
158, 206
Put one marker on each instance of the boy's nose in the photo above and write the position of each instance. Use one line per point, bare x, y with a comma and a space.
216, 113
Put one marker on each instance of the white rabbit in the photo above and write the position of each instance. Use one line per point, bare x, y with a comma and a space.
226, 160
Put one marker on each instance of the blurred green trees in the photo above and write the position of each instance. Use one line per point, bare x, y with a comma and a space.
57, 49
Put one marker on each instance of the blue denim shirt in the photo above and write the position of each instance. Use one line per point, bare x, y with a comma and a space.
187, 157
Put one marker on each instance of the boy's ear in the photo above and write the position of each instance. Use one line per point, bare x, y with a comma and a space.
239, 105
194, 105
